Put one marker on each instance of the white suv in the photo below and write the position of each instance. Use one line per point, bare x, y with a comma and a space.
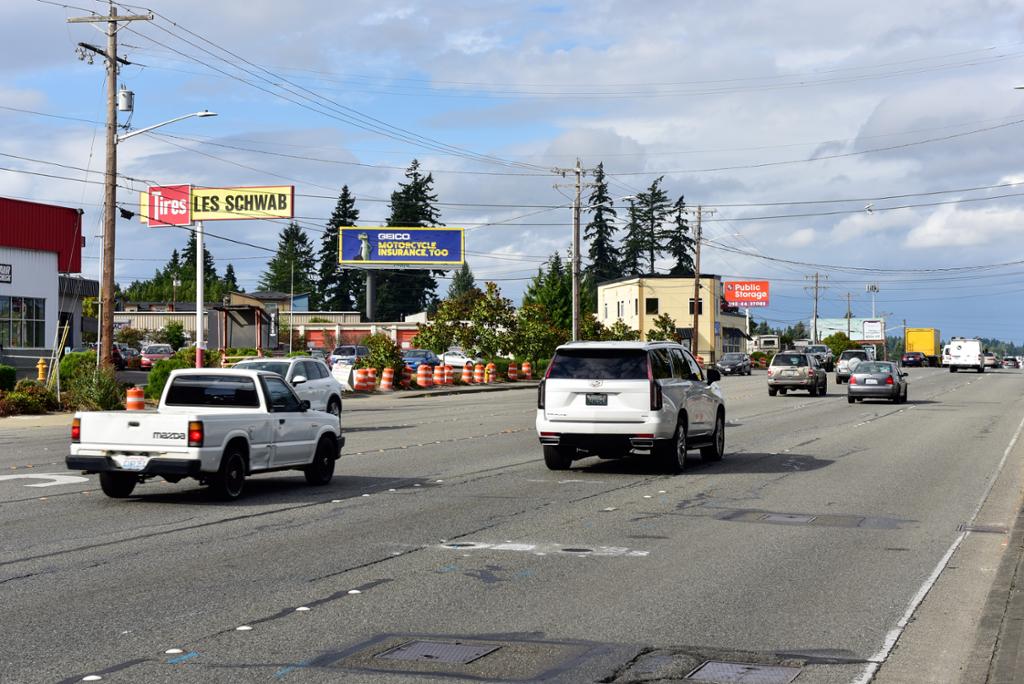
309, 377
608, 398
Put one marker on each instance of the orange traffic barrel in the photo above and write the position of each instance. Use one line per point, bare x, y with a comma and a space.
527, 371
406, 376
387, 380
513, 371
492, 372
359, 384
449, 375
467, 373
135, 399
478, 373
423, 378
438, 374
371, 379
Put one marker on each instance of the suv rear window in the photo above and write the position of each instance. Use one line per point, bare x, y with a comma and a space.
863, 356
789, 360
599, 364
212, 390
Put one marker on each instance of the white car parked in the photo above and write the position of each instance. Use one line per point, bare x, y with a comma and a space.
456, 358
310, 378
607, 398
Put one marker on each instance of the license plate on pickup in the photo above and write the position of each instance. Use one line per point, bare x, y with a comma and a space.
597, 400
134, 462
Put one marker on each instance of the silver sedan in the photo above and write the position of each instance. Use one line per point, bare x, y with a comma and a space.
877, 380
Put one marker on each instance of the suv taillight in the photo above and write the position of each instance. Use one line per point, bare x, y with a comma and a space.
195, 433
76, 430
810, 372
656, 396
540, 395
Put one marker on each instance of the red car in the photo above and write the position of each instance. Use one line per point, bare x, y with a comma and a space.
152, 353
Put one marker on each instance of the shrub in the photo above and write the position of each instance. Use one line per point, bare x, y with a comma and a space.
384, 353
38, 391
296, 354
95, 391
22, 403
756, 357
162, 370
211, 357
75, 365
239, 351
7, 377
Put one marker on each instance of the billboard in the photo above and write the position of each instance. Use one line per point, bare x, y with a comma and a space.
386, 247
215, 204
861, 329
747, 293
873, 330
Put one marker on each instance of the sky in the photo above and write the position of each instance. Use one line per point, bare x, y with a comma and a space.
872, 142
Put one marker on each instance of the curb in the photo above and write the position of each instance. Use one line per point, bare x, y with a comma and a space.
503, 387
999, 648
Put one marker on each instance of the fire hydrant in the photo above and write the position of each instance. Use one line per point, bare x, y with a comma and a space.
41, 370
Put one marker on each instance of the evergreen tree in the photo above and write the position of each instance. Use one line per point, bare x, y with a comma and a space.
677, 241
188, 261
600, 232
337, 286
462, 283
230, 281
551, 289
294, 260
632, 245
652, 209
404, 292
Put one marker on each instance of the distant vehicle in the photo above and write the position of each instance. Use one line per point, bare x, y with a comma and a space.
848, 360
1011, 362
963, 353
607, 398
414, 358
801, 344
456, 358
734, 363
877, 380
215, 425
824, 354
991, 360
116, 359
796, 370
870, 350
310, 378
925, 341
154, 352
768, 344
917, 359
348, 353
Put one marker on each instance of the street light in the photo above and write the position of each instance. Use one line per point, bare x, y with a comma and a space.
203, 114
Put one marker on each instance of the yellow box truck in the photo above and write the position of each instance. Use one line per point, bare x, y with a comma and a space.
926, 341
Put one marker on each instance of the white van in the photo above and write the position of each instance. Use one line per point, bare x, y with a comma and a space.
965, 353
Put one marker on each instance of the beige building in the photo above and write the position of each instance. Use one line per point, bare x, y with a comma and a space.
637, 301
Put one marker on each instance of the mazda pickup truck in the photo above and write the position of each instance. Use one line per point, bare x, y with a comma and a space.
215, 425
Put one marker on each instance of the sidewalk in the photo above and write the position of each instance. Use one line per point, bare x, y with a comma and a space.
447, 390
62, 419
1005, 612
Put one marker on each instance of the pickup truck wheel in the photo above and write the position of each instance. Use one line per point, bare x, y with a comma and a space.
558, 457
321, 470
118, 485
672, 452
716, 450
229, 482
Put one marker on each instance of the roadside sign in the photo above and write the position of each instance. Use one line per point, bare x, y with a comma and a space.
747, 293
387, 247
216, 204
874, 330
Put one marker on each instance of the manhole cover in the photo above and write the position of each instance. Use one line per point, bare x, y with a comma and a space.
788, 518
439, 652
744, 673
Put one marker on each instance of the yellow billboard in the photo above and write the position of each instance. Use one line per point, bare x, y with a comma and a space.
231, 204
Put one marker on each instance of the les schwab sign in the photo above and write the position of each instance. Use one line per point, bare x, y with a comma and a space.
383, 247
752, 293
180, 205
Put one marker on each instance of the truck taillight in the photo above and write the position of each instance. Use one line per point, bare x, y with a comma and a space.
76, 430
540, 395
195, 433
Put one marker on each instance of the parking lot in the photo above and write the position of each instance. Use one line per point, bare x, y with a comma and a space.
826, 526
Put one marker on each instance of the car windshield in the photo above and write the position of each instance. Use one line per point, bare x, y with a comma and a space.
863, 356
873, 367
789, 360
158, 349
733, 357
344, 351
279, 367
212, 390
416, 352
599, 364
817, 349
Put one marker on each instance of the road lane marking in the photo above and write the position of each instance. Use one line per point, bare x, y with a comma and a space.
546, 548
56, 479
893, 636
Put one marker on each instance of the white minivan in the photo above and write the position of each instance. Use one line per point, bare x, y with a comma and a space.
965, 353
607, 399
309, 377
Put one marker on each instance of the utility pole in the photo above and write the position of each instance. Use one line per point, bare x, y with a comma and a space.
579, 171
849, 315
695, 337
817, 291
371, 295
110, 179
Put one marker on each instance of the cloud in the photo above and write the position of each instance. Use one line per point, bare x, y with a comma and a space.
800, 238
951, 226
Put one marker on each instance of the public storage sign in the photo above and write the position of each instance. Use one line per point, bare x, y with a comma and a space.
385, 247
215, 204
753, 293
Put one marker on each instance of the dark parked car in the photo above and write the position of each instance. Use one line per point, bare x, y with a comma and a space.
734, 363
914, 359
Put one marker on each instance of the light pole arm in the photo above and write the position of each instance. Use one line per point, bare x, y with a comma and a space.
124, 137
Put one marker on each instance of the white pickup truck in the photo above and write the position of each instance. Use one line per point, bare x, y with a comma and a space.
213, 425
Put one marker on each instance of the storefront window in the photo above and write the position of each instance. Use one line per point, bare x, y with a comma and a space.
23, 322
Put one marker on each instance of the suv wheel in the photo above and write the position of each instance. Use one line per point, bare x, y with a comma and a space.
716, 450
814, 390
672, 452
118, 485
558, 457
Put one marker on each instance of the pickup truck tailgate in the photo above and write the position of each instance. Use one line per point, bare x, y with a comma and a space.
139, 430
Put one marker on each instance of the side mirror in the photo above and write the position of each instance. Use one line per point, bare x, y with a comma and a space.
713, 375
304, 404
298, 379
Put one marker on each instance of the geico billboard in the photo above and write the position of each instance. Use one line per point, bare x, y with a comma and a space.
747, 292
382, 246
162, 206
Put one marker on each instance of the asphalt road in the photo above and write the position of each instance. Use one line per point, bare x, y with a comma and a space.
807, 547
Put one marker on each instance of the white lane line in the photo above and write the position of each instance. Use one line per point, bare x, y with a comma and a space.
875, 661
546, 548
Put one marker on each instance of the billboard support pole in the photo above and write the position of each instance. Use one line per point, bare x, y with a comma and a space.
200, 294
371, 295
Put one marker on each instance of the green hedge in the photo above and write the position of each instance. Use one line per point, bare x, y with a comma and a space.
161, 371
8, 377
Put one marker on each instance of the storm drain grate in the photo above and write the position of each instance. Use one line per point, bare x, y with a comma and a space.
788, 518
743, 673
439, 652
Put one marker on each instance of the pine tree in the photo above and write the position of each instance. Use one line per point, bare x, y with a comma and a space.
462, 283
652, 208
551, 289
677, 241
230, 281
600, 232
294, 260
404, 292
337, 286
632, 245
